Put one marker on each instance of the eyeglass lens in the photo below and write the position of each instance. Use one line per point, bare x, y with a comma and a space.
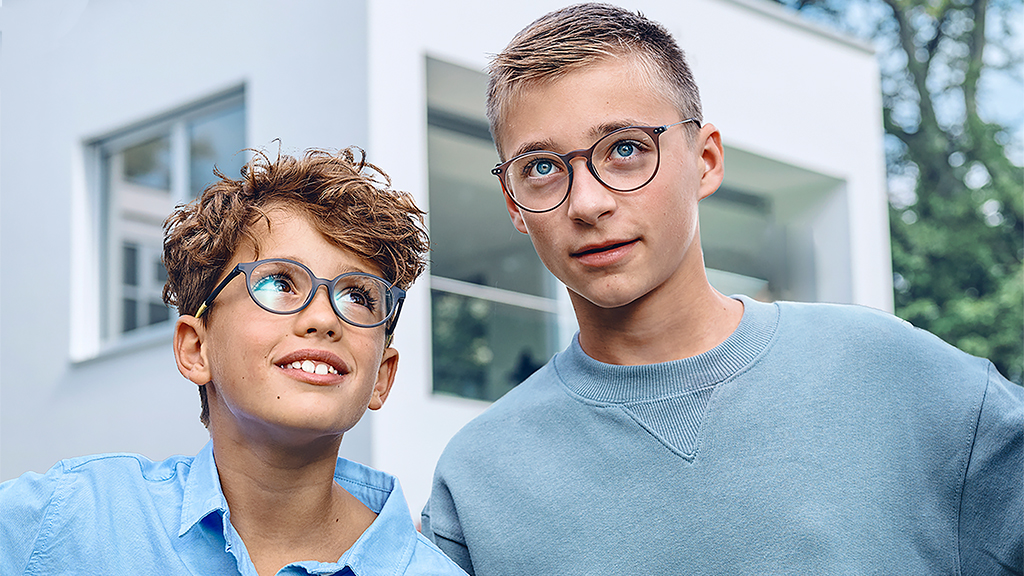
624, 161
284, 287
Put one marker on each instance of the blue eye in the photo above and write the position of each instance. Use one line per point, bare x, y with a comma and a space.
541, 168
624, 149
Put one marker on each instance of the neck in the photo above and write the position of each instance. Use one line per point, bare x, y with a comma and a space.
674, 321
279, 498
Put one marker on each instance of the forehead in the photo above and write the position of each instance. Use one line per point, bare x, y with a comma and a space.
569, 111
291, 232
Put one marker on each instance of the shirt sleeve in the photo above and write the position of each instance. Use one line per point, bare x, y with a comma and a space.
992, 505
449, 543
24, 503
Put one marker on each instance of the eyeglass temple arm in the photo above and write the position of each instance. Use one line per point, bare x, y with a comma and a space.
661, 129
213, 295
389, 330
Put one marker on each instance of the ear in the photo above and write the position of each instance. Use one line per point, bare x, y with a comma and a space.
385, 378
514, 213
190, 349
712, 159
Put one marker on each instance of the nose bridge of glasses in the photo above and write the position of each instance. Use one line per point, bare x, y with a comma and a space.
314, 289
585, 154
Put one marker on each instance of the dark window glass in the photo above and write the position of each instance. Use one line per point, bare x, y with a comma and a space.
149, 164
483, 349
216, 140
130, 271
158, 312
129, 318
159, 272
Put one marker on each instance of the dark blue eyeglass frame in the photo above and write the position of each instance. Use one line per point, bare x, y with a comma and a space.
395, 296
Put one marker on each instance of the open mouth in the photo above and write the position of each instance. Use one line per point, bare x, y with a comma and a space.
310, 367
313, 361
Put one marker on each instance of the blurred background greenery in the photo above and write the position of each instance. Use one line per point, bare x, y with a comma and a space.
953, 98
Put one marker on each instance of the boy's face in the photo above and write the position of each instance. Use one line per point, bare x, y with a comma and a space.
613, 248
247, 353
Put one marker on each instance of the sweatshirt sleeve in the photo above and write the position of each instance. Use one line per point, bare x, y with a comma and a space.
440, 524
992, 505
24, 503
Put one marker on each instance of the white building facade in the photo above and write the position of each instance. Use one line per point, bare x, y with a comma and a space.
114, 111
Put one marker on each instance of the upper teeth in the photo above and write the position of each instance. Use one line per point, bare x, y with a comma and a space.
313, 367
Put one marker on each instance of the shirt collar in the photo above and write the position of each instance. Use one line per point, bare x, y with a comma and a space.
385, 547
203, 494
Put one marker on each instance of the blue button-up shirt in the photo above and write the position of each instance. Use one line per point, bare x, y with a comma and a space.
125, 514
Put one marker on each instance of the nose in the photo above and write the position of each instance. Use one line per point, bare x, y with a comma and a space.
319, 317
589, 200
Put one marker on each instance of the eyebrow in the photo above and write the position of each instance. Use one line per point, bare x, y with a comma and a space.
595, 133
345, 268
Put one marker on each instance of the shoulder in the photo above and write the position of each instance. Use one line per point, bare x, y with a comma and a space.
855, 351
523, 411
874, 336
114, 470
843, 317
79, 498
127, 464
92, 481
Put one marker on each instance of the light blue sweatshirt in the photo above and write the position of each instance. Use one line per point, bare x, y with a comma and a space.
817, 439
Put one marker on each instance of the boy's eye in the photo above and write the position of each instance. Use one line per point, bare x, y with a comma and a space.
540, 168
623, 149
357, 296
275, 283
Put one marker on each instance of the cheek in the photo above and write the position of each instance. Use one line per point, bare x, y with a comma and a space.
545, 246
542, 230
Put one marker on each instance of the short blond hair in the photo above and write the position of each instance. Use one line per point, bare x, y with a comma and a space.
582, 35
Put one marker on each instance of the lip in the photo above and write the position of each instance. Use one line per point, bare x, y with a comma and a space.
604, 253
321, 356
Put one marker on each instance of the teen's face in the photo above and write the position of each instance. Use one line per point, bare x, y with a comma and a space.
250, 353
612, 248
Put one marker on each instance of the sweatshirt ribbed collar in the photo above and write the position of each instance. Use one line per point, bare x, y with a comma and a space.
602, 382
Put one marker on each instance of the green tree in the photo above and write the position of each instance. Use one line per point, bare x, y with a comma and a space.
954, 162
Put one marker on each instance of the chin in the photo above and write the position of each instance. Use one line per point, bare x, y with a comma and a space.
316, 423
609, 299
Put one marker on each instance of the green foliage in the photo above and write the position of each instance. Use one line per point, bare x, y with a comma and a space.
956, 198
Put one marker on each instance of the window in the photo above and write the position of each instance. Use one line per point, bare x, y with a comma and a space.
144, 172
494, 304
739, 237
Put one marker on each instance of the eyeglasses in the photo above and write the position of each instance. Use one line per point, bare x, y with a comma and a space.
625, 160
285, 286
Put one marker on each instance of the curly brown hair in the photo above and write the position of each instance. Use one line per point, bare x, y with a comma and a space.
581, 35
349, 200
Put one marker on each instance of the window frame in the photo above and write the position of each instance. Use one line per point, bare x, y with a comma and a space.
453, 118
97, 235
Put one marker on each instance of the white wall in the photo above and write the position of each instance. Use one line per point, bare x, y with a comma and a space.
75, 70
329, 73
774, 87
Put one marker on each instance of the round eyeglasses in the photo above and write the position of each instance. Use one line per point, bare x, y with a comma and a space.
285, 286
625, 160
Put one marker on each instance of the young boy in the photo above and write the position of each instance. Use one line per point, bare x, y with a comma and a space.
683, 431
284, 369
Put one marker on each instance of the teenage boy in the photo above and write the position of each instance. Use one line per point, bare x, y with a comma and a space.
683, 431
284, 369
